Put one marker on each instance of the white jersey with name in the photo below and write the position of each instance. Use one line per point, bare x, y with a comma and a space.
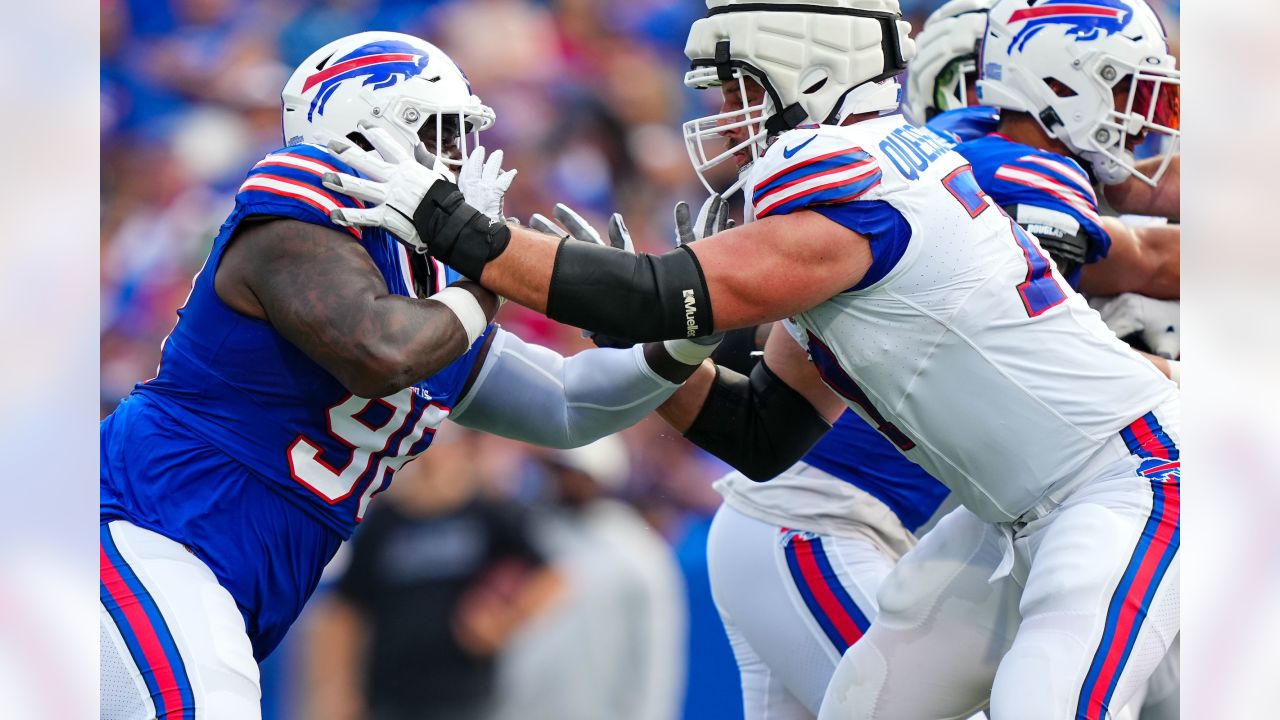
962, 344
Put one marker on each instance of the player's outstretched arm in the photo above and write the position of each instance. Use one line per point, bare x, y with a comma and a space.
531, 393
1144, 260
761, 424
745, 276
321, 290
1135, 197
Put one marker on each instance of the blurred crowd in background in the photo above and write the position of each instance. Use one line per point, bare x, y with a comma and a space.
589, 102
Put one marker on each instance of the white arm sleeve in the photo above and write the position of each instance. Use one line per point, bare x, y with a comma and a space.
531, 393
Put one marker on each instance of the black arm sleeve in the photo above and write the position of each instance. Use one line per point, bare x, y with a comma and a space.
757, 424
1069, 247
641, 297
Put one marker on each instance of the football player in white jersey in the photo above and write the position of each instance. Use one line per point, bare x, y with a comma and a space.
1052, 592
795, 562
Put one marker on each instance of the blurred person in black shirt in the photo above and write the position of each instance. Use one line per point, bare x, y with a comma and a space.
439, 578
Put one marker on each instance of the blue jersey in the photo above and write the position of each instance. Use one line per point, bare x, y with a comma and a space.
1050, 190
860, 455
964, 124
246, 450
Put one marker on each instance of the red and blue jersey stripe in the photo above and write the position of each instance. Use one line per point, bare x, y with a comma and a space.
289, 182
145, 633
840, 618
834, 177
1147, 567
1012, 174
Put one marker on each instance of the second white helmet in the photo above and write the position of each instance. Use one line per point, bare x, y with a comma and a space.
1067, 63
946, 59
389, 80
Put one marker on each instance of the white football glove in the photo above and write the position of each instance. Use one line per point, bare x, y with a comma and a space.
394, 184
1156, 321
484, 184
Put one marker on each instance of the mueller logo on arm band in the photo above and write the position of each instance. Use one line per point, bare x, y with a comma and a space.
690, 310
381, 64
1085, 21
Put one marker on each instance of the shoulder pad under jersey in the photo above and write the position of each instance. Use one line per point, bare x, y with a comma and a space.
808, 166
287, 183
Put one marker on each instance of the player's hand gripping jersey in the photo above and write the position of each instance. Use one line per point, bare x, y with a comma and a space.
985, 329
238, 416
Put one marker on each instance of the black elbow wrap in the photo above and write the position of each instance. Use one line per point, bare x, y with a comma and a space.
640, 297
457, 234
757, 424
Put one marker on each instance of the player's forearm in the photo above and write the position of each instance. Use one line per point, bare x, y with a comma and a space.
531, 393
682, 408
324, 294
758, 424
523, 272
1135, 197
408, 340
606, 290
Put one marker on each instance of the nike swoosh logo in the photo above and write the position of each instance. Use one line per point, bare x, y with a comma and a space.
788, 152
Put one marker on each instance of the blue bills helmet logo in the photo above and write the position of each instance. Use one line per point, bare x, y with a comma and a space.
1085, 20
381, 64
1161, 470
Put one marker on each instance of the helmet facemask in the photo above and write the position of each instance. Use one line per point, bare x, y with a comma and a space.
448, 132
1151, 106
809, 58
707, 138
951, 89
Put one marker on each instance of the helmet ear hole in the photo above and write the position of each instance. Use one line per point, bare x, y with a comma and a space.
1060, 88
814, 87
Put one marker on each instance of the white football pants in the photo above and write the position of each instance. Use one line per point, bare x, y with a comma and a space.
173, 642
791, 602
1074, 630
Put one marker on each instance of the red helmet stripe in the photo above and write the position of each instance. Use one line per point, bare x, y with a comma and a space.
1061, 10
354, 63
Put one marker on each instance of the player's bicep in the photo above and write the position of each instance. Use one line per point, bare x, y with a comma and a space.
315, 285
779, 266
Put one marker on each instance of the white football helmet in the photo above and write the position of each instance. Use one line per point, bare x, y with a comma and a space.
389, 80
817, 60
1065, 62
946, 57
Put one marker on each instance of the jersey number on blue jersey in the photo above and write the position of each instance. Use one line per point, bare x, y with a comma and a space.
1039, 291
367, 427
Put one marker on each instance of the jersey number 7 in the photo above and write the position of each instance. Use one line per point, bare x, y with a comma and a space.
1039, 291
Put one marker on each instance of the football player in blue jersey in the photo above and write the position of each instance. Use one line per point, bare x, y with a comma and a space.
309, 363
1075, 93
1039, 180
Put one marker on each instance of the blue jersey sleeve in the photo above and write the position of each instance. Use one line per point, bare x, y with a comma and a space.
964, 124
287, 183
1055, 183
